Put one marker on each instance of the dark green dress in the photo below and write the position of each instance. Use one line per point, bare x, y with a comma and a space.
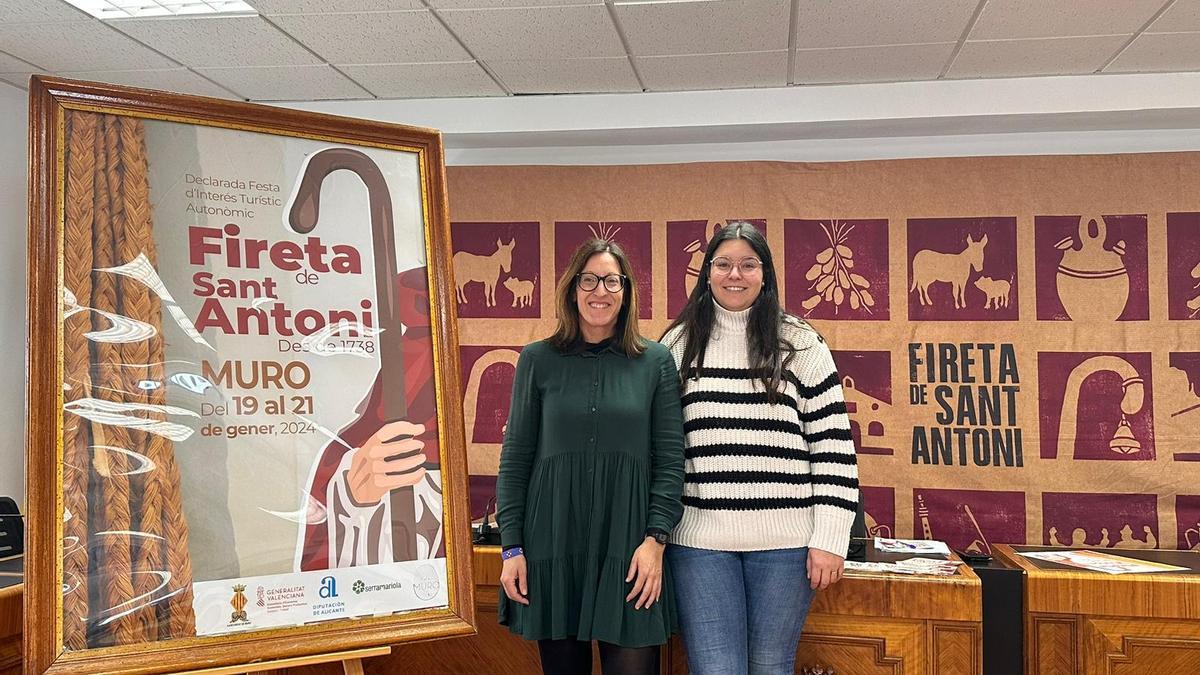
593, 456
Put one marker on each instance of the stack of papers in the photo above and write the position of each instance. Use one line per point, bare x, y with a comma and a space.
912, 546
1102, 562
909, 566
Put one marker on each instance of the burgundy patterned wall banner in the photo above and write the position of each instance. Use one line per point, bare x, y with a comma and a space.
983, 409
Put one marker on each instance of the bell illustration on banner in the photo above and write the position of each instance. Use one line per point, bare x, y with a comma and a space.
1092, 281
1123, 440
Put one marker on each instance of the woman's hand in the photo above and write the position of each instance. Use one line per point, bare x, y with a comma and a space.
645, 571
513, 579
824, 568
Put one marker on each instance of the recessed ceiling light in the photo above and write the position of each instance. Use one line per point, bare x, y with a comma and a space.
106, 10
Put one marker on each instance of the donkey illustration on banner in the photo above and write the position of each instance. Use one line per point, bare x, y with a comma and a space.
929, 266
485, 269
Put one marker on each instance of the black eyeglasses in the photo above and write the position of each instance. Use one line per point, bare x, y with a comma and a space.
613, 283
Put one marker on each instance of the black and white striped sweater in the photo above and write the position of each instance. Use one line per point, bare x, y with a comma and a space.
762, 476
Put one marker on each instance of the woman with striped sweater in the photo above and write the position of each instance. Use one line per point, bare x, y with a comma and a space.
771, 483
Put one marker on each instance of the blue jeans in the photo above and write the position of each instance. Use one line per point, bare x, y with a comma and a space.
741, 612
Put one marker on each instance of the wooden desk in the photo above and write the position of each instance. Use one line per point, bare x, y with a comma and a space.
867, 624
1085, 622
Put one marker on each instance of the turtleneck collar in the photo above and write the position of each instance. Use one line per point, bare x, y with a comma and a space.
730, 323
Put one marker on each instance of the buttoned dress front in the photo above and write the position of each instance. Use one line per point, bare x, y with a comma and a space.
592, 458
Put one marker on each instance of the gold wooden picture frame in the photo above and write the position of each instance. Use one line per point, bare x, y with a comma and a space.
243, 438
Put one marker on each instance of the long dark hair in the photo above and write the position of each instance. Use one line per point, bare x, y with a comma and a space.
768, 350
625, 334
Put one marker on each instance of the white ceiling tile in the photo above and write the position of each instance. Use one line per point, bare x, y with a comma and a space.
213, 42
425, 80
287, 83
78, 45
1159, 52
1183, 16
705, 27
714, 71
26, 11
493, 4
821, 23
179, 80
1015, 58
321, 6
1007, 19
376, 37
894, 63
536, 33
10, 65
566, 76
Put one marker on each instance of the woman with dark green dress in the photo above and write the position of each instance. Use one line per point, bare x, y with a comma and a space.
590, 479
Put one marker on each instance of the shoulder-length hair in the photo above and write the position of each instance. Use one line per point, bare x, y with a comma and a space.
769, 350
625, 334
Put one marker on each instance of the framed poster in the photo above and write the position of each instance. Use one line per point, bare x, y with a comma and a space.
243, 442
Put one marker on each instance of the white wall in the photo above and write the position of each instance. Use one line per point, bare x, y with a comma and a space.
1093, 114
13, 125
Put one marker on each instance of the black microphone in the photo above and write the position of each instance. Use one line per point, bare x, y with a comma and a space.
485, 528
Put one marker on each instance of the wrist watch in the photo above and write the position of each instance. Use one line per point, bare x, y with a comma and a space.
658, 536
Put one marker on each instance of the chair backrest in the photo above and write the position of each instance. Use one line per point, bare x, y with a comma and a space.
12, 528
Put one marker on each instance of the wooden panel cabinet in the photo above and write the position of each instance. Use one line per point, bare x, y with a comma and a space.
10, 630
1091, 623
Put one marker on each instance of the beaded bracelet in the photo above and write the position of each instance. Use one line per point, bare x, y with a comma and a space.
512, 553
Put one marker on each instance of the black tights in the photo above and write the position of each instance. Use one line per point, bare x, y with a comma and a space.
574, 657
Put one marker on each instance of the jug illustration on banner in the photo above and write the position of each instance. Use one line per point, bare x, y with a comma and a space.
485, 269
1092, 281
696, 249
929, 267
1123, 441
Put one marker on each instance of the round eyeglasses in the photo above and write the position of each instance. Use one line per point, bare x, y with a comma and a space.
746, 266
613, 283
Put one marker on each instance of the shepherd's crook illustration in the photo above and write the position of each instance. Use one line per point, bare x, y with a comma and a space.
303, 216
